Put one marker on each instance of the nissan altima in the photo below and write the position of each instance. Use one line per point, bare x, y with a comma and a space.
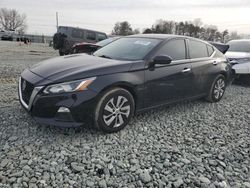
127, 76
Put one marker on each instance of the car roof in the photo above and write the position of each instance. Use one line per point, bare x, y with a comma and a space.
156, 36
165, 37
240, 40
62, 26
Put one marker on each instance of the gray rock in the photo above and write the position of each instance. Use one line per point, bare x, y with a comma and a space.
102, 184
204, 179
13, 138
246, 184
17, 174
134, 161
145, 177
166, 163
90, 183
178, 183
220, 177
185, 161
77, 167
222, 184
4, 163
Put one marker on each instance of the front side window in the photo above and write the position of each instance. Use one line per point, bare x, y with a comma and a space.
90, 35
176, 49
77, 33
197, 49
128, 48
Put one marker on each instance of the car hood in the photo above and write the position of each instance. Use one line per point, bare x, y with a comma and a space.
237, 55
78, 66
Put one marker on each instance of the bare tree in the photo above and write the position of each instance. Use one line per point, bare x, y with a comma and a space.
11, 19
124, 28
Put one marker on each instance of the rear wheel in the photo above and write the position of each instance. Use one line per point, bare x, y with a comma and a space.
217, 89
114, 110
61, 53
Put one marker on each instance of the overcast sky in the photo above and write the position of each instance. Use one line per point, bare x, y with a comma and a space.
103, 14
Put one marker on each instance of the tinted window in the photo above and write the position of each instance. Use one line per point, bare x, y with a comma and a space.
197, 49
128, 48
77, 33
90, 35
210, 50
101, 37
176, 49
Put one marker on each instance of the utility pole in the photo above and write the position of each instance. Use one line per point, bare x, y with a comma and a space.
57, 20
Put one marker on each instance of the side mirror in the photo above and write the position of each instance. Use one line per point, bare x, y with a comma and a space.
162, 59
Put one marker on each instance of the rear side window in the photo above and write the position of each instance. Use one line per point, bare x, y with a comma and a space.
101, 37
210, 50
77, 33
176, 49
90, 35
197, 49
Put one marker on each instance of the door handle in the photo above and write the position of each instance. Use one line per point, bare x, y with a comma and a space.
186, 70
215, 62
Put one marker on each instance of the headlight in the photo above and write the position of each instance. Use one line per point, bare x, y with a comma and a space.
78, 85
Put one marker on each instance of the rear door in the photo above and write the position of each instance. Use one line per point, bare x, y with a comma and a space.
203, 65
169, 83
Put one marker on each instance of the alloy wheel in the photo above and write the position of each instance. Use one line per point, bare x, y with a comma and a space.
116, 111
219, 88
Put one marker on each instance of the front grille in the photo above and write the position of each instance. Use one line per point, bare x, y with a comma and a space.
26, 89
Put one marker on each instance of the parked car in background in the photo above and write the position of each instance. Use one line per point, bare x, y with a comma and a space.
90, 48
7, 35
129, 75
239, 55
66, 37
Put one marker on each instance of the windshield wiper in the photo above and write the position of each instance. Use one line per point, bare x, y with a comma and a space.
105, 56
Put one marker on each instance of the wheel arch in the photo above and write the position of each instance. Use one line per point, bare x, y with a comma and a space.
124, 85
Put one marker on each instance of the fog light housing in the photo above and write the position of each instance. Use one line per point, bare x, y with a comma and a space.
63, 114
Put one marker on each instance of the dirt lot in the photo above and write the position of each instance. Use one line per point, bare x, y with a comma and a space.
192, 144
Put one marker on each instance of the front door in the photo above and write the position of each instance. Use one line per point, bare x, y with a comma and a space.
172, 82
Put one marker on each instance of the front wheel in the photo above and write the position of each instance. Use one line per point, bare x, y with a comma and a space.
114, 110
217, 89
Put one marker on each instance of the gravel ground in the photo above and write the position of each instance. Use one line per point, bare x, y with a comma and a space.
192, 144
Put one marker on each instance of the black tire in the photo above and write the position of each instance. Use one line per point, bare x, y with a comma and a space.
58, 41
217, 89
112, 118
61, 53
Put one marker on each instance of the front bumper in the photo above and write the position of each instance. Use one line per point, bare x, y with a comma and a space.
45, 108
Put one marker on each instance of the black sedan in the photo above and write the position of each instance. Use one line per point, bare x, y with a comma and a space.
129, 75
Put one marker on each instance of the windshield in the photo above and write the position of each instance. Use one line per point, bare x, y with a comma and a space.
106, 41
239, 46
128, 48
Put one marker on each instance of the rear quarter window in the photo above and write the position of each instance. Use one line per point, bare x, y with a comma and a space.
197, 49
